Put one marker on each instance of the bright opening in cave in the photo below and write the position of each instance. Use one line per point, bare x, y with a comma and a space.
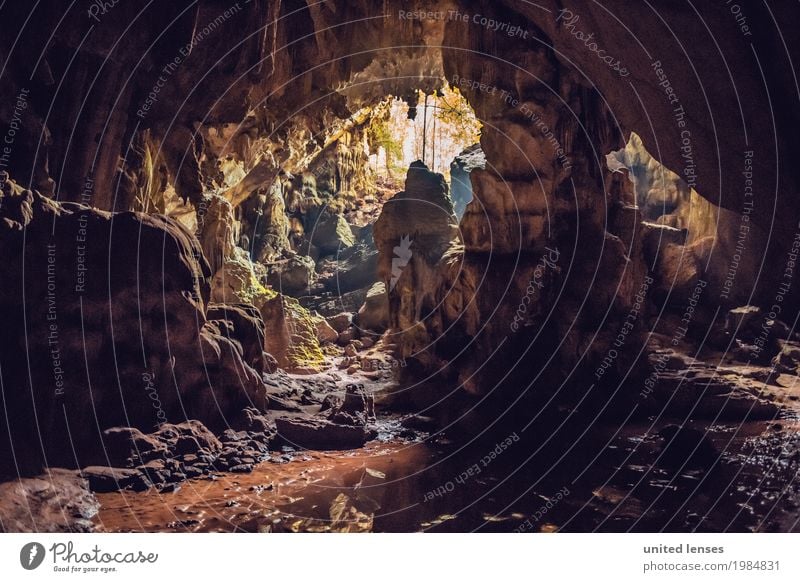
437, 129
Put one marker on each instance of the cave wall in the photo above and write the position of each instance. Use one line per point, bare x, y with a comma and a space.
229, 66
159, 108
103, 332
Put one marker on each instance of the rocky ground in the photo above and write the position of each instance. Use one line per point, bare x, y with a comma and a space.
715, 448
330, 410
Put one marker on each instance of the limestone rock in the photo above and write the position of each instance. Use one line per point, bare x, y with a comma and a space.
293, 275
330, 232
788, 359
246, 327
291, 334
107, 479
340, 321
56, 501
472, 158
325, 332
217, 231
374, 314
321, 434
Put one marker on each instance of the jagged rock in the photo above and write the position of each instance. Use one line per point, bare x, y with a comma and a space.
271, 363
199, 435
347, 336
414, 232
217, 231
269, 224
472, 158
330, 402
340, 321
232, 436
237, 281
56, 501
325, 332
155, 471
788, 358
251, 420
224, 357
277, 402
125, 445
357, 408
107, 479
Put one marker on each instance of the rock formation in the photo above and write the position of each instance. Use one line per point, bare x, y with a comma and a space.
189, 223
108, 328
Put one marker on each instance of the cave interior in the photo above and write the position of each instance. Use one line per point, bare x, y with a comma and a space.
454, 270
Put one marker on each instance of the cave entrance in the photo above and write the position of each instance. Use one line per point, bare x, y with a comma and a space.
696, 236
332, 204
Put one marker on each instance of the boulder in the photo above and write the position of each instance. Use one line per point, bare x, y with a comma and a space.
116, 323
356, 409
292, 337
56, 501
329, 231
293, 275
189, 436
124, 446
374, 314
108, 479
251, 420
340, 321
788, 359
325, 332
321, 434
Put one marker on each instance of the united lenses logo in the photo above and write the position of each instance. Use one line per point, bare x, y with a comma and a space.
31, 555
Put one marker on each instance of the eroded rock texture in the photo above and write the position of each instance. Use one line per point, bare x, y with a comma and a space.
551, 253
106, 325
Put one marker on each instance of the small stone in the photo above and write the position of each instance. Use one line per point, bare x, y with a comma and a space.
169, 488
341, 321
192, 472
107, 479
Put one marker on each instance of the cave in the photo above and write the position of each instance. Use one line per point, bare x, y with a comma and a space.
445, 268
